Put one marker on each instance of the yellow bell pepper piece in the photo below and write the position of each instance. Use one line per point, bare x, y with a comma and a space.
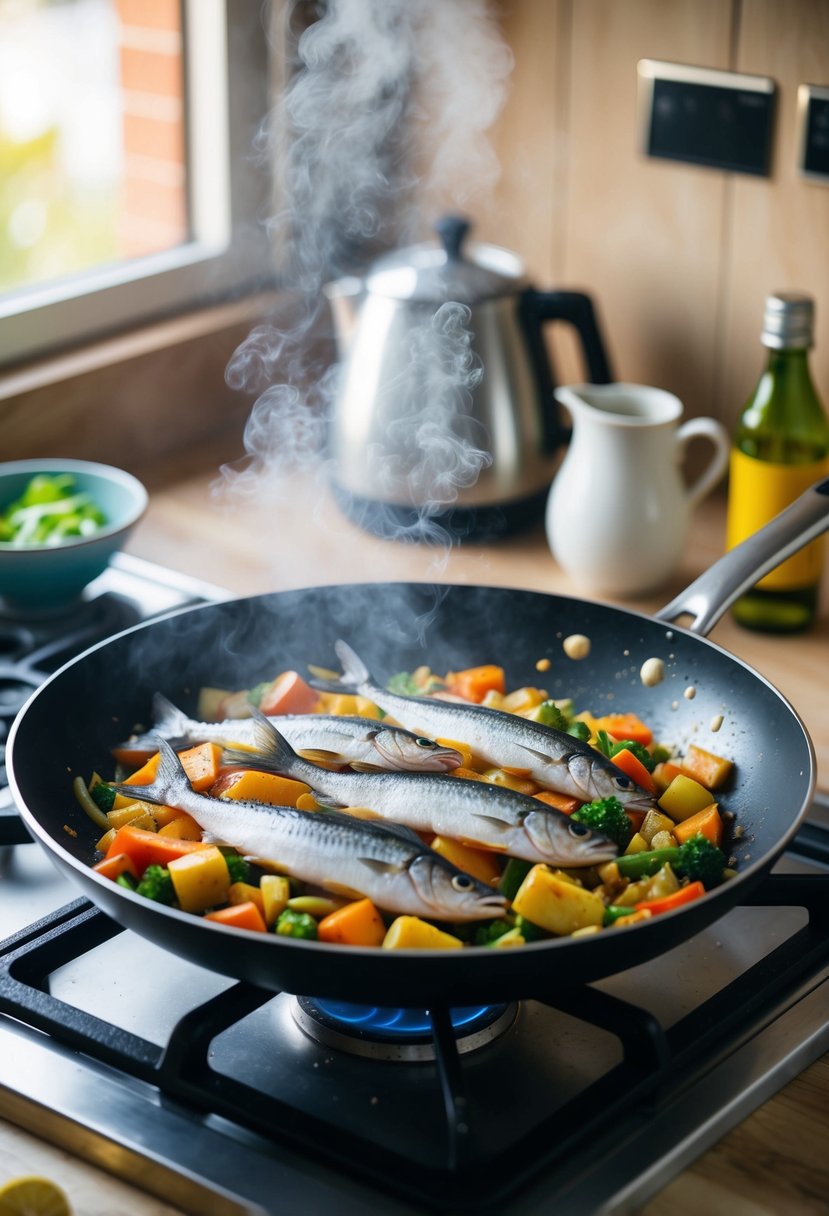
556, 905
412, 933
276, 891
480, 863
201, 879
684, 797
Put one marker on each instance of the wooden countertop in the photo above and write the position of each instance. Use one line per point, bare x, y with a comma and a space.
775, 1161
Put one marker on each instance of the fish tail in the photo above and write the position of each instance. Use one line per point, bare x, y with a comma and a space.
168, 720
170, 780
354, 674
272, 751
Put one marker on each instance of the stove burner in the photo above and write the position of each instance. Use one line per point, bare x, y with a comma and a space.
396, 1034
15, 688
15, 641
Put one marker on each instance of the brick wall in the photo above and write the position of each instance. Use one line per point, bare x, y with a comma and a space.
154, 189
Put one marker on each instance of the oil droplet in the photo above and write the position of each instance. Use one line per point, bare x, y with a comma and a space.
576, 646
716, 723
652, 672
543, 665
690, 693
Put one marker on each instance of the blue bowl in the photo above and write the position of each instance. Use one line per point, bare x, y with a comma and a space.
45, 578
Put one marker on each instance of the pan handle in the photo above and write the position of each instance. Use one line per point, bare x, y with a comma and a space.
709, 596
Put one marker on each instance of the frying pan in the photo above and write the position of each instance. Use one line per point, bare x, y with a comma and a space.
69, 724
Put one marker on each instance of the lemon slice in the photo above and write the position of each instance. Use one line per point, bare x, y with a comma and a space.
33, 1196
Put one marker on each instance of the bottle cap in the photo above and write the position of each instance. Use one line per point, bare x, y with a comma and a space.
788, 320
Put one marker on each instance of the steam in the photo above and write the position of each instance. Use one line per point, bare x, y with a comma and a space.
380, 130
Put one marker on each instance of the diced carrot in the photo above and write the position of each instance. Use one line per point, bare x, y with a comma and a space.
664, 774
707, 822
561, 802
626, 726
149, 848
250, 785
480, 863
288, 694
240, 916
201, 764
633, 767
355, 924
705, 767
464, 749
666, 903
111, 867
475, 682
469, 773
637, 818
132, 755
182, 827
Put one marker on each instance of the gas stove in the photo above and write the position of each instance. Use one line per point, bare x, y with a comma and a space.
223, 1098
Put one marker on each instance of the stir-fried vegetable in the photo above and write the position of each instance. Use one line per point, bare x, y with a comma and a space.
669, 856
50, 511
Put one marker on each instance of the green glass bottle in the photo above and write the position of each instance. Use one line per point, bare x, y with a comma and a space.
781, 447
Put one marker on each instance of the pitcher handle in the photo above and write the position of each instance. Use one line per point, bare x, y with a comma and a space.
714, 471
709, 596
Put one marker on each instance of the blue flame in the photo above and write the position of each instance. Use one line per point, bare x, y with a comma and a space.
402, 1023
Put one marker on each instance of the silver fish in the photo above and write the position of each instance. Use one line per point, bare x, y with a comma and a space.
551, 757
390, 866
359, 742
473, 811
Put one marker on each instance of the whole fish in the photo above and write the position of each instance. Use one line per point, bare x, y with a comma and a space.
550, 757
474, 811
325, 738
390, 866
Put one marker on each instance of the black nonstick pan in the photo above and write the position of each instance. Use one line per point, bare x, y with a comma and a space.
69, 724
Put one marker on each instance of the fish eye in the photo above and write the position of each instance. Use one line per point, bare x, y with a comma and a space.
579, 829
623, 783
430, 743
462, 882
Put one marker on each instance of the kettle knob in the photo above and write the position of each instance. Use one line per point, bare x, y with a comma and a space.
452, 230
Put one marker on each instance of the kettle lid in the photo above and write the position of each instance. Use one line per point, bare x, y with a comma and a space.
438, 273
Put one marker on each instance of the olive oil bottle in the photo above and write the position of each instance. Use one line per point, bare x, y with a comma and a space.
781, 446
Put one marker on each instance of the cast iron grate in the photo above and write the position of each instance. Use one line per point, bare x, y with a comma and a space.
568, 1139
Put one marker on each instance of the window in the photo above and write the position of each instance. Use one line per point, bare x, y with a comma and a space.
128, 188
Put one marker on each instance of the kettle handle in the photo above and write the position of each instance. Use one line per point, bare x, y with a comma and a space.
577, 310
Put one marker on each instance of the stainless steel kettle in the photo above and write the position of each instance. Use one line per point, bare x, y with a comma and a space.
445, 411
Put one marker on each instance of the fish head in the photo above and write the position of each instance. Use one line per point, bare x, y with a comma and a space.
597, 777
415, 753
450, 893
564, 842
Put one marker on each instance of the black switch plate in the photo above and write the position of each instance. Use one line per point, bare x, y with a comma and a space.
813, 116
706, 117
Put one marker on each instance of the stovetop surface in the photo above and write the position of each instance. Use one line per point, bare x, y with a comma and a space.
208, 1093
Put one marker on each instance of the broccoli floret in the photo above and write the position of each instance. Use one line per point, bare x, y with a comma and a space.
579, 730
296, 924
529, 931
103, 796
549, 714
125, 879
404, 685
697, 860
606, 815
489, 932
639, 751
157, 884
237, 867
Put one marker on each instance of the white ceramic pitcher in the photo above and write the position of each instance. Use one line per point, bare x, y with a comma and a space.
618, 510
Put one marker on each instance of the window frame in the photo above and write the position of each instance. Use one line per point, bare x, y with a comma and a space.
228, 253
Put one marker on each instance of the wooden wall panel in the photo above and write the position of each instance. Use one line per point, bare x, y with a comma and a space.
526, 212
778, 235
645, 235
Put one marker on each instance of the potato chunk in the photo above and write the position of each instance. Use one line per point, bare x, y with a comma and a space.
555, 904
